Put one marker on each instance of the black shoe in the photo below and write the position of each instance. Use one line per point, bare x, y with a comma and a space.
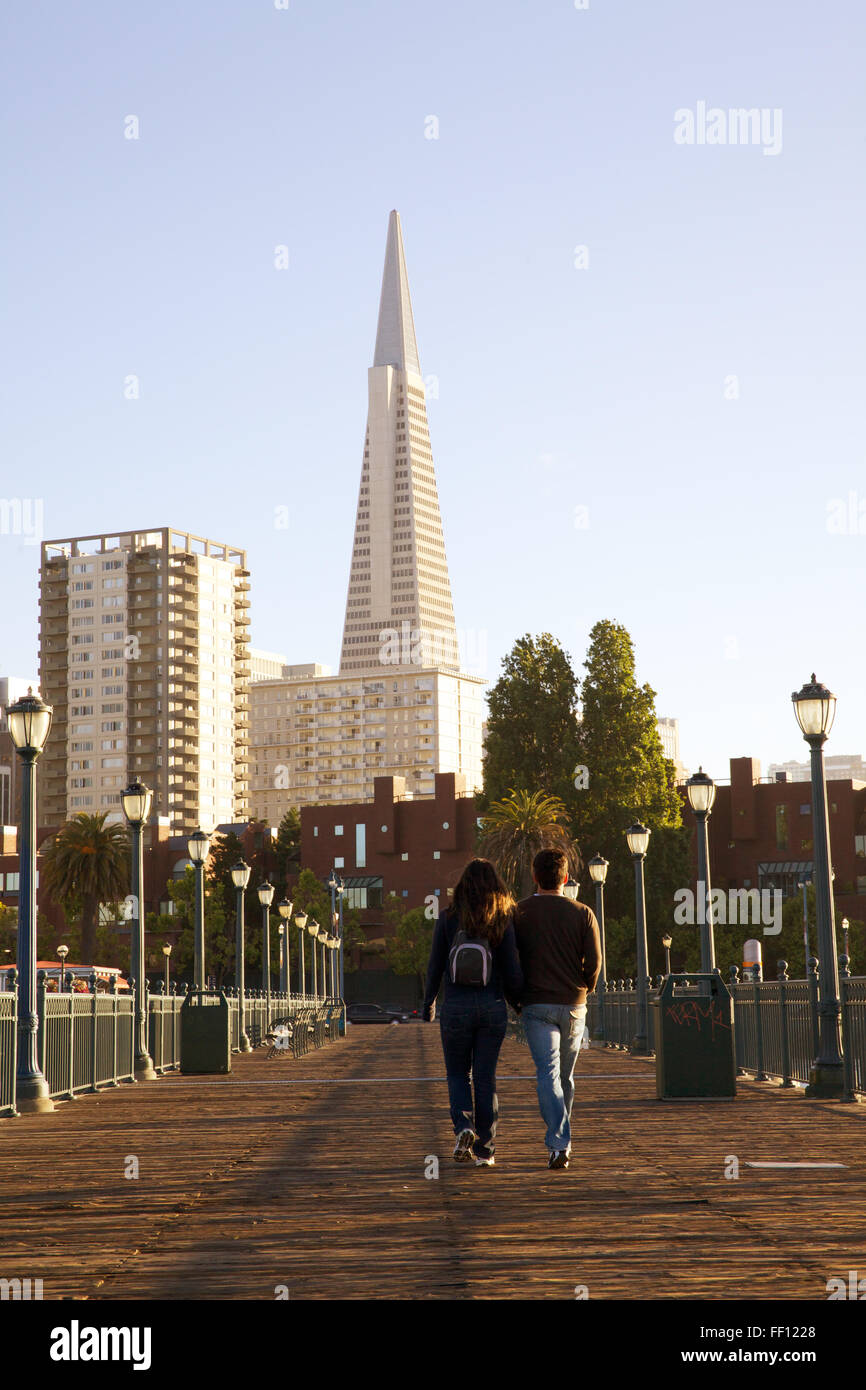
463, 1148
558, 1159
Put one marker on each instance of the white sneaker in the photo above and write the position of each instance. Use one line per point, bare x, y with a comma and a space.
463, 1147
484, 1162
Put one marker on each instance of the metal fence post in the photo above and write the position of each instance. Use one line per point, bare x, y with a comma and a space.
42, 1016
760, 1074
739, 1041
71, 1070
94, 1051
849, 1094
113, 989
783, 1023
133, 987
812, 977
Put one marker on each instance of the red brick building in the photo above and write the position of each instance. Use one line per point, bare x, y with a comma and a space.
760, 835
411, 849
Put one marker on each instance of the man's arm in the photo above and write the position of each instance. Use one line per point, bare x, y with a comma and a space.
591, 951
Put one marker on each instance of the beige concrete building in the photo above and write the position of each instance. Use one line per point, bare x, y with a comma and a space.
320, 739
144, 656
400, 705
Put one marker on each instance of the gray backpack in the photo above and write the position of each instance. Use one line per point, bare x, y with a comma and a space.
470, 961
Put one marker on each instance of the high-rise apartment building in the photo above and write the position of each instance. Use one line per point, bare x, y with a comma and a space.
400, 705
320, 739
144, 656
838, 767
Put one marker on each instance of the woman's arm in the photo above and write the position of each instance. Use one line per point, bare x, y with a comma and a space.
435, 969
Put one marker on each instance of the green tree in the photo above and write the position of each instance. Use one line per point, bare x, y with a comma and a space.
288, 847
86, 864
515, 829
407, 952
532, 721
629, 779
219, 935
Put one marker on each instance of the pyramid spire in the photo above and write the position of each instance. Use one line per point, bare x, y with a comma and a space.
399, 611
395, 336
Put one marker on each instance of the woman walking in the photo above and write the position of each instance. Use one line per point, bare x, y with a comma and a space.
475, 949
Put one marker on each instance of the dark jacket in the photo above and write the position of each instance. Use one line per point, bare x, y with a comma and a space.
560, 949
506, 980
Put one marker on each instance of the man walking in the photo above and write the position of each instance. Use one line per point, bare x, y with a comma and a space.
560, 952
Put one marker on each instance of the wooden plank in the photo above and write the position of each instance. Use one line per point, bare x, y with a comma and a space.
243, 1187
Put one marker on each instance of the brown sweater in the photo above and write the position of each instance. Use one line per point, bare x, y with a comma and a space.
560, 949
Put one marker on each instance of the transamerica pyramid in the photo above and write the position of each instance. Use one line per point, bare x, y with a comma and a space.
399, 613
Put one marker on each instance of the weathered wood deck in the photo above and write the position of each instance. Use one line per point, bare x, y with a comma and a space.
311, 1174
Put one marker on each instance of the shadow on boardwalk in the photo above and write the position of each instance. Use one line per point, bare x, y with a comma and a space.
311, 1174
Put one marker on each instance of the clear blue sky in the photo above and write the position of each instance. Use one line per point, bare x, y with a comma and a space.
558, 387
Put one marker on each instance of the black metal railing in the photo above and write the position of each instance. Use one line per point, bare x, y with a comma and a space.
775, 1024
8, 1046
86, 1041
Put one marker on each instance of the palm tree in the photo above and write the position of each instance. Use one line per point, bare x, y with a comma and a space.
517, 827
87, 863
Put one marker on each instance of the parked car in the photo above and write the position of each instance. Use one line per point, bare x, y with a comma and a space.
374, 1013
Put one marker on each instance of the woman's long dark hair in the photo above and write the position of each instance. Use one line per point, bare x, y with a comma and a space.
482, 902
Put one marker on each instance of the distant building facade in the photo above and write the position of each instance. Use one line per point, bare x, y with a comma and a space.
144, 657
393, 846
838, 767
760, 836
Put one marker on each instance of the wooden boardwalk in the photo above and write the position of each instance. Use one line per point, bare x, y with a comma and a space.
311, 1175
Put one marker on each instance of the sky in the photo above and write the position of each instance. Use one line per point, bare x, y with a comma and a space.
645, 356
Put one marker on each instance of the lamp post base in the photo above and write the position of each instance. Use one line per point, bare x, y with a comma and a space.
826, 1081
244, 1045
639, 1047
32, 1098
143, 1069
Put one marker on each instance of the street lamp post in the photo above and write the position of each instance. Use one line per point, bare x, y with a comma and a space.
598, 867
300, 923
815, 708
702, 793
845, 925
667, 942
62, 953
266, 897
198, 846
29, 720
341, 891
240, 879
313, 929
285, 910
166, 951
136, 801
637, 837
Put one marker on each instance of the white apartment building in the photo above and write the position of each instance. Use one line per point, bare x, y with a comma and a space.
144, 657
840, 767
323, 739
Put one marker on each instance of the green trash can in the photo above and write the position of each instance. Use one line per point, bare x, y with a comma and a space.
694, 1032
205, 1032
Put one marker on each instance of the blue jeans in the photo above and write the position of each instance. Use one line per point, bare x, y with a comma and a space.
472, 1034
554, 1033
